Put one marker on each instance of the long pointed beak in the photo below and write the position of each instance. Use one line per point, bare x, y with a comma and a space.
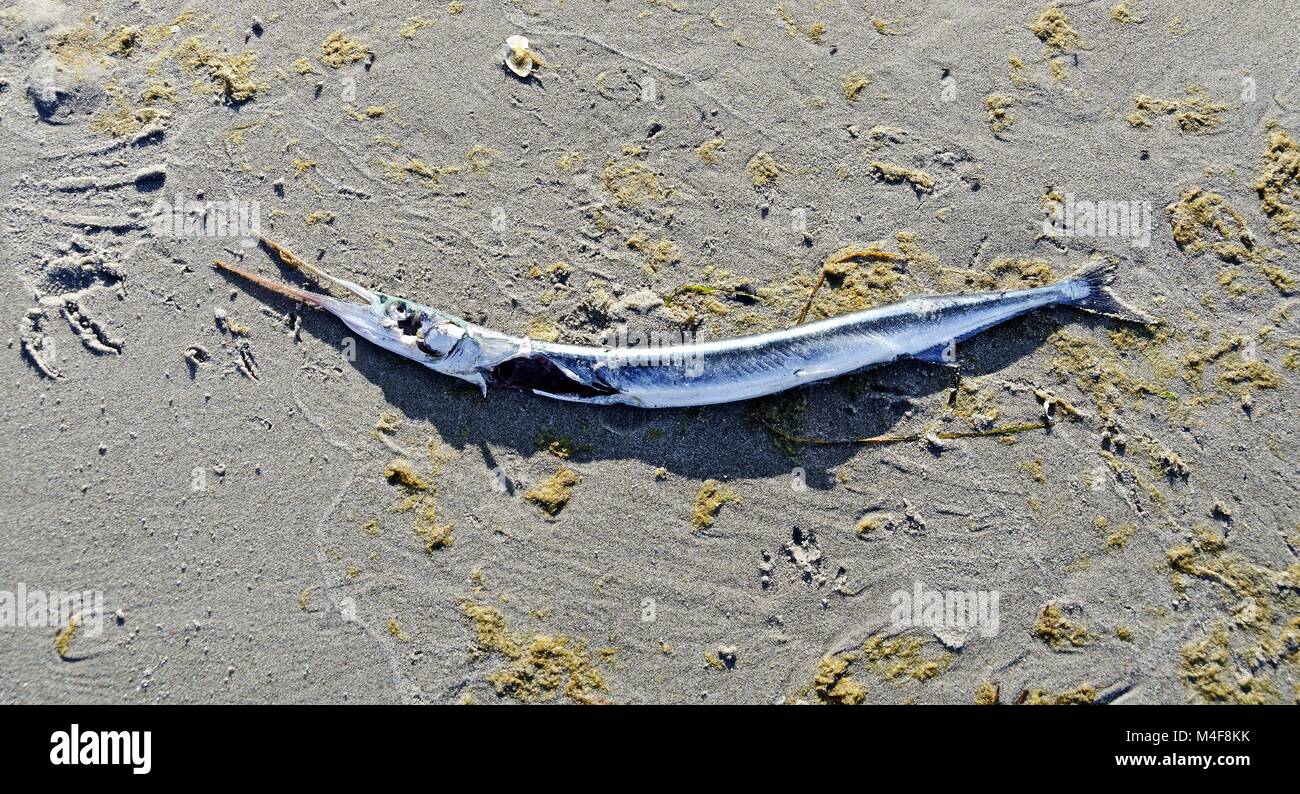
293, 260
364, 318
309, 298
355, 315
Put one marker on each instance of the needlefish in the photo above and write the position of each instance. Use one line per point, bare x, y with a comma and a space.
926, 328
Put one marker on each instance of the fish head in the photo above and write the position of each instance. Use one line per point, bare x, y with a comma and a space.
403, 327
434, 338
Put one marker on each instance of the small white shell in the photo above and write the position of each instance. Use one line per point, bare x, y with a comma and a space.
516, 57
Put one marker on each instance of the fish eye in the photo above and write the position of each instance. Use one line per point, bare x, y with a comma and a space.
397, 311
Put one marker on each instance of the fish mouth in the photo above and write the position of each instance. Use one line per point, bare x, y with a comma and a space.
371, 299
362, 318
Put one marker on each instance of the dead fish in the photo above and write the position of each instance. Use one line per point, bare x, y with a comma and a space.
925, 328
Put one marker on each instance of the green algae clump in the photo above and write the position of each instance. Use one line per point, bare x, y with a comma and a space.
435, 536
900, 657
395, 629
1053, 29
1278, 185
1208, 669
1198, 212
1080, 696
1122, 14
1053, 628
853, 84
231, 74
712, 496
998, 109
832, 685
988, 694
632, 183
63, 642
1025, 272
539, 666
1241, 662
339, 50
553, 493
1255, 374
708, 151
897, 174
401, 473
1196, 113
763, 168
561, 447
895, 660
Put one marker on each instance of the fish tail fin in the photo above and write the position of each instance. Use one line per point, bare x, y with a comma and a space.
1092, 293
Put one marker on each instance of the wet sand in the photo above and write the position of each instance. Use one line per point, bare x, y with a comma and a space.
278, 512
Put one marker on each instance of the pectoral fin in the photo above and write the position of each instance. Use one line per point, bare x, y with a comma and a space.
944, 353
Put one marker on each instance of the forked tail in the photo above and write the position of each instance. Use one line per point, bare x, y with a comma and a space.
1094, 280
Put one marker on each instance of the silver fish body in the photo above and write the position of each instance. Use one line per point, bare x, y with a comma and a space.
704, 373
731, 370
